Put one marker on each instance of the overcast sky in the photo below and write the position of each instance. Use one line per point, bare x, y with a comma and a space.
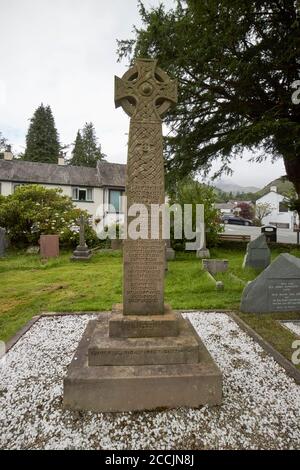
63, 53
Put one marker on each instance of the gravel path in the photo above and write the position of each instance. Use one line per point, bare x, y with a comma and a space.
294, 326
261, 405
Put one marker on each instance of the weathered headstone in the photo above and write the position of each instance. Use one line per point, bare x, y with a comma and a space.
3, 241
49, 246
258, 254
215, 266
82, 252
276, 289
143, 355
203, 252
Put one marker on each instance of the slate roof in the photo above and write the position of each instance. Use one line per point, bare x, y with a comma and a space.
106, 174
224, 205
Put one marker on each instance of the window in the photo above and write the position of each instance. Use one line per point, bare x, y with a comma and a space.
17, 185
283, 207
115, 199
82, 194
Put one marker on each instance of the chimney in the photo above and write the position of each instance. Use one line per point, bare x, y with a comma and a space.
274, 189
61, 159
8, 153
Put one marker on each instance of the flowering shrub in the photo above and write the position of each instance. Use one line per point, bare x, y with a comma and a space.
34, 210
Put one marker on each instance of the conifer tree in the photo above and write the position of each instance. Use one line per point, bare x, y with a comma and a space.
42, 141
78, 154
86, 151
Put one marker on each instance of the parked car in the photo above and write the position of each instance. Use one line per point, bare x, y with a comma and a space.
236, 220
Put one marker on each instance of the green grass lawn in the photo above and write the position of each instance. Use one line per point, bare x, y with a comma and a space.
29, 286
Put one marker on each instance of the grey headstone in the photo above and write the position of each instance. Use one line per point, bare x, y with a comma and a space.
276, 289
215, 266
258, 255
3, 241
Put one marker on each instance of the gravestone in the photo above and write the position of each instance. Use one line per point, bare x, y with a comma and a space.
82, 252
49, 246
142, 355
258, 254
276, 289
170, 253
203, 252
215, 266
3, 241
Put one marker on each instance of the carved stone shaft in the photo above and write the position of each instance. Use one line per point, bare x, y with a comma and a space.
145, 92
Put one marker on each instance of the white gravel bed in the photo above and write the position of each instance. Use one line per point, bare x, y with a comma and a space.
294, 326
261, 404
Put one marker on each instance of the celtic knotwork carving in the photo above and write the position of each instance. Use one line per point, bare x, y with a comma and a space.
145, 91
145, 163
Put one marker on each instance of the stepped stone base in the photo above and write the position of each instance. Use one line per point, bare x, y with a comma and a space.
111, 351
82, 253
113, 388
138, 326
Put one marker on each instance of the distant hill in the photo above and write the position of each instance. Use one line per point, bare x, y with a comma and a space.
284, 186
235, 188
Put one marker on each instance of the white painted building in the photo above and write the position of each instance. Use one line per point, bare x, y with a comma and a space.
280, 215
92, 189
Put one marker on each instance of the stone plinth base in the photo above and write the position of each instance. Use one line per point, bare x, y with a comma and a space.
112, 351
113, 388
138, 326
82, 253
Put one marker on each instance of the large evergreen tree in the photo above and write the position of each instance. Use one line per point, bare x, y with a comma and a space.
78, 154
236, 61
42, 141
86, 150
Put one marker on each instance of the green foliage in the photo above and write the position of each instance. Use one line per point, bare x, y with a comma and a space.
193, 192
246, 211
86, 150
42, 142
78, 154
263, 209
34, 210
236, 62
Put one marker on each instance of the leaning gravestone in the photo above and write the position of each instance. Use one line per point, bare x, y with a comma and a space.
3, 241
276, 289
82, 252
143, 355
258, 254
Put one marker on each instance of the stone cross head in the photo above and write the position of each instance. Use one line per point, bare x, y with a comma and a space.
145, 92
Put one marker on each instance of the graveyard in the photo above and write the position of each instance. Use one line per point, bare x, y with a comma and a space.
56, 286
